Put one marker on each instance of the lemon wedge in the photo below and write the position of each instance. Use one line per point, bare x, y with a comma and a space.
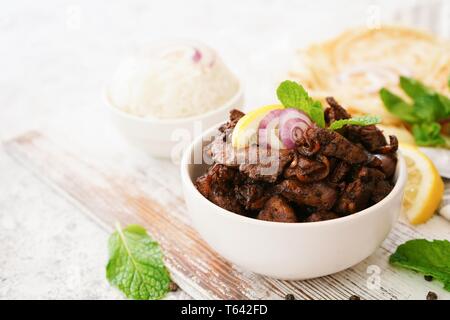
424, 189
247, 127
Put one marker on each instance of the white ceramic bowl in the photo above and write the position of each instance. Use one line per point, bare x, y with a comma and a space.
291, 251
166, 138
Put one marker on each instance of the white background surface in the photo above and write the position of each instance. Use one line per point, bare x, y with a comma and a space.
55, 58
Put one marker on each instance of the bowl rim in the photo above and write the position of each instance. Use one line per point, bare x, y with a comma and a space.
187, 182
173, 121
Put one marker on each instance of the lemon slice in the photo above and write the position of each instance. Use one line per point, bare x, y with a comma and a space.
424, 189
245, 131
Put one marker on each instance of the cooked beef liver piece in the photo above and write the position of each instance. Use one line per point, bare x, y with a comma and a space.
252, 196
335, 111
203, 184
221, 151
223, 174
307, 169
321, 216
267, 167
235, 115
227, 201
257, 165
318, 194
216, 175
384, 162
217, 185
355, 197
277, 209
381, 190
332, 144
357, 193
390, 148
370, 137
339, 172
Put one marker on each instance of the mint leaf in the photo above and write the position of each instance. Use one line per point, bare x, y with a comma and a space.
397, 106
136, 264
445, 101
432, 258
316, 114
414, 88
429, 105
428, 134
358, 121
428, 108
293, 95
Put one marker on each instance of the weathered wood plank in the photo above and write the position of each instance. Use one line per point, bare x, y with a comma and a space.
107, 197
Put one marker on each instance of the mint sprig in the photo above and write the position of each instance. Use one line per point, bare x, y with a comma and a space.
428, 134
136, 264
397, 106
293, 95
431, 258
357, 121
425, 111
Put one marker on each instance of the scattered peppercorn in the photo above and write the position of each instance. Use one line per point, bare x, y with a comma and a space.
428, 278
432, 296
173, 286
355, 297
289, 296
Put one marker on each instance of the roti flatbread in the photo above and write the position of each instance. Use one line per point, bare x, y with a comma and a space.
354, 66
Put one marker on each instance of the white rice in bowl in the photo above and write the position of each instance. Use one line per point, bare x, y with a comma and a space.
172, 81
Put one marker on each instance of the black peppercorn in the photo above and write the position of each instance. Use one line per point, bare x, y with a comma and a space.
289, 296
428, 278
355, 297
173, 286
432, 296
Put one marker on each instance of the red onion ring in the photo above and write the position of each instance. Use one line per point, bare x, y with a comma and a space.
269, 123
292, 130
274, 114
291, 124
291, 113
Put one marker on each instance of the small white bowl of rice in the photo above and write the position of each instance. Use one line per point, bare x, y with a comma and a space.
162, 97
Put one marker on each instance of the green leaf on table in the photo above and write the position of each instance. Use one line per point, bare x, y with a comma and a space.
358, 121
397, 106
293, 95
428, 134
432, 258
136, 264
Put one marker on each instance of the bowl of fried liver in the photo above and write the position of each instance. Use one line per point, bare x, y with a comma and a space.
326, 206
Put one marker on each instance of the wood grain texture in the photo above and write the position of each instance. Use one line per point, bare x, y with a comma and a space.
107, 196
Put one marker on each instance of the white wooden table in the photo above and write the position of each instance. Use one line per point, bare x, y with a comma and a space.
57, 56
